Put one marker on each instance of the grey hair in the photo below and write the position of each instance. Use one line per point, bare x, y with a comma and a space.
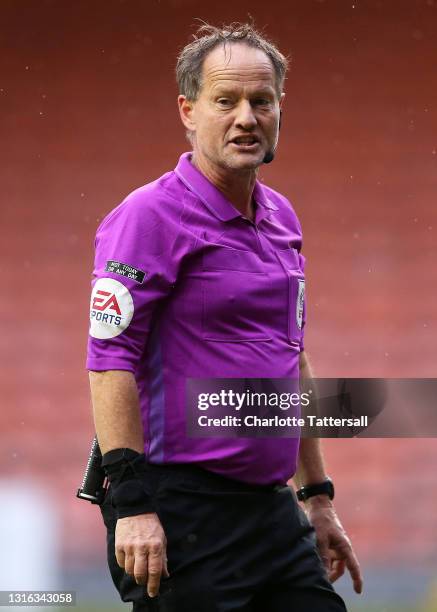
208, 37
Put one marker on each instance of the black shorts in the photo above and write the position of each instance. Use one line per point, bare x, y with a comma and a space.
230, 547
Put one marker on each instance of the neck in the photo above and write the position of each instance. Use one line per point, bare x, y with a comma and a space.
236, 186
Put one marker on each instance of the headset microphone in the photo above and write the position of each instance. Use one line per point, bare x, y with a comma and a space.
268, 157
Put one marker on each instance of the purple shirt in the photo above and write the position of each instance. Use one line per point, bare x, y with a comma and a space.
186, 287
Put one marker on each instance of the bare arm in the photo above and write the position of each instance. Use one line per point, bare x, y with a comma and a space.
140, 543
334, 545
114, 395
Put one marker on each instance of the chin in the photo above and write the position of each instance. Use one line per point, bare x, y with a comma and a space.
245, 162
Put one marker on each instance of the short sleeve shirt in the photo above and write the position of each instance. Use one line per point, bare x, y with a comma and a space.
184, 286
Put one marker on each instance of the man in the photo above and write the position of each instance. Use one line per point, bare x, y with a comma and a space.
199, 275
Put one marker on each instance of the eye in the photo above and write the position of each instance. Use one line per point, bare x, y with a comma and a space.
224, 102
261, 102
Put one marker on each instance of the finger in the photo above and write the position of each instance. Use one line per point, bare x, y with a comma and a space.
129, 564
120, 556
140, 568
154, 568
337, 569
354, 569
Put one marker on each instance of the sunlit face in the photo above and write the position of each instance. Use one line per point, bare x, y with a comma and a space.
234, 121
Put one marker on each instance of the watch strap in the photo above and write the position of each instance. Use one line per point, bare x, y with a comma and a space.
322, 488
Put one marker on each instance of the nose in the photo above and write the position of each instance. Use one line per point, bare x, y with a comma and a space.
245, 118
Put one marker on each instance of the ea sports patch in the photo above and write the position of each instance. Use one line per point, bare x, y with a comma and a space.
300, 302
111, 309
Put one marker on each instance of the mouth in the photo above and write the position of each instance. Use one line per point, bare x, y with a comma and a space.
245, 143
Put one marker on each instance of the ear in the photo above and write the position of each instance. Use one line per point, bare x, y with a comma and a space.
281, 99
186, 111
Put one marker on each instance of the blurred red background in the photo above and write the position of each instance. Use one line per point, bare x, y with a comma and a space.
88, 112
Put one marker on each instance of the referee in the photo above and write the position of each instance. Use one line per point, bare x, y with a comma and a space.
200, 275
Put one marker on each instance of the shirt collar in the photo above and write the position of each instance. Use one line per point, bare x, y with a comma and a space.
213, 198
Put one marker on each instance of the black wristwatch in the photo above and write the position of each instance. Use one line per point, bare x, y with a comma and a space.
321, 488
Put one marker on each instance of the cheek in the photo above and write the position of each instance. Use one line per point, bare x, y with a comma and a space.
268, 124
214, 129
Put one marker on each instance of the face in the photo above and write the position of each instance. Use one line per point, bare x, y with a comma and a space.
234, 121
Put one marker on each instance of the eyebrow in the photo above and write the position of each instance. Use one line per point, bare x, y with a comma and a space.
219, 90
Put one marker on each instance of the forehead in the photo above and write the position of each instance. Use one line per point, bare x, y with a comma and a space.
237, 63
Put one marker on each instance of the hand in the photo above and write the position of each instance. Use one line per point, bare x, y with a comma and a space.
334, 545
140, 549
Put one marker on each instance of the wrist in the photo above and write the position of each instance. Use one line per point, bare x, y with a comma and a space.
318, 501
125, 470
119, 459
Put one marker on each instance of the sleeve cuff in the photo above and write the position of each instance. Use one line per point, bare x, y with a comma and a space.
101, 364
